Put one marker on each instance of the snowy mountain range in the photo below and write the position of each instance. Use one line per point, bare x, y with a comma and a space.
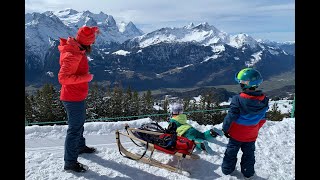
193, 55
41, 29
203, 33
288, 46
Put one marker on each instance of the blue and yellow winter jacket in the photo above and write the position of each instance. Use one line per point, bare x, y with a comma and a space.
246, 115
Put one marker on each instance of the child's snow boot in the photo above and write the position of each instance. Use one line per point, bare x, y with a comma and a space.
210, 134
251, 177
199, 145
203, 146
207, 148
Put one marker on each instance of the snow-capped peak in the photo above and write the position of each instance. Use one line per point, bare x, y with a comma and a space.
130, 25
129, 29
203, 25
189, 26
203, 33
241, 39
66, 12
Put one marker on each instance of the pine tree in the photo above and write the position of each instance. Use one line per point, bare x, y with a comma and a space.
35, 107
58, 108
207, 105
186, 104
215, 117
106, 103
199, 116
192, 107
208, 100
148, 103
117, 102
128, 102
136, 104
94, 101
28, 108
275, 114
165, 105
45, 101
202, 102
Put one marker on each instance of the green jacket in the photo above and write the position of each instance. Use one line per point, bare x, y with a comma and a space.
182, 125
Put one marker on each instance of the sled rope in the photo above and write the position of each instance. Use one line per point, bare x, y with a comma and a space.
126, 127
145, 151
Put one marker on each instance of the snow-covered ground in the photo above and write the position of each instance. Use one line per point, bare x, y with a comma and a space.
275, 154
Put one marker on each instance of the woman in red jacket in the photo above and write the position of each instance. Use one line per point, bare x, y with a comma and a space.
74, 78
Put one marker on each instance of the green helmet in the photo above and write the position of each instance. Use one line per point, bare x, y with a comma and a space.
248, 77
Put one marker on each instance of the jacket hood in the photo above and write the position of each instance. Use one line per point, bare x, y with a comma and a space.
181, 118
69, 45
254, 93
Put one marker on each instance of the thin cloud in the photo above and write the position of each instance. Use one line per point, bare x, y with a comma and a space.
278, 8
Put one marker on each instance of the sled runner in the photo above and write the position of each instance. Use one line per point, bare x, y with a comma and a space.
162, 142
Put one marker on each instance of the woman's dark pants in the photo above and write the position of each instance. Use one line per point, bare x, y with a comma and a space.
76, 112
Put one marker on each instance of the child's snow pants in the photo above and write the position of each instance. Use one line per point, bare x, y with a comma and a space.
247, 158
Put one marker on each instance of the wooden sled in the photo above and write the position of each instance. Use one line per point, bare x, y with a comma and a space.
152, 147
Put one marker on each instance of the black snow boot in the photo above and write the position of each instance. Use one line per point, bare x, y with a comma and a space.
87, 149
77, 167
213, 133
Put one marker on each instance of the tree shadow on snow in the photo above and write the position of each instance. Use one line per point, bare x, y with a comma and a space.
133, 173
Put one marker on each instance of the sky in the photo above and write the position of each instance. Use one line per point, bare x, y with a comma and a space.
275, 153
264, 19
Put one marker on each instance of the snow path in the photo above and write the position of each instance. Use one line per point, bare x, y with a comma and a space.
91, 140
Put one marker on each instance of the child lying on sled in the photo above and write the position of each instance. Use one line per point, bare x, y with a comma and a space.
186, 130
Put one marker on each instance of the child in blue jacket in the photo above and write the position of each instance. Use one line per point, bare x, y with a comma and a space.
242, 123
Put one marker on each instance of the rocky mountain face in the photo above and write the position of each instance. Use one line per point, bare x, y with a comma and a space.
168, 57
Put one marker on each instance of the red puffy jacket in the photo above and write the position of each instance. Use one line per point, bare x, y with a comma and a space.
74, 71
